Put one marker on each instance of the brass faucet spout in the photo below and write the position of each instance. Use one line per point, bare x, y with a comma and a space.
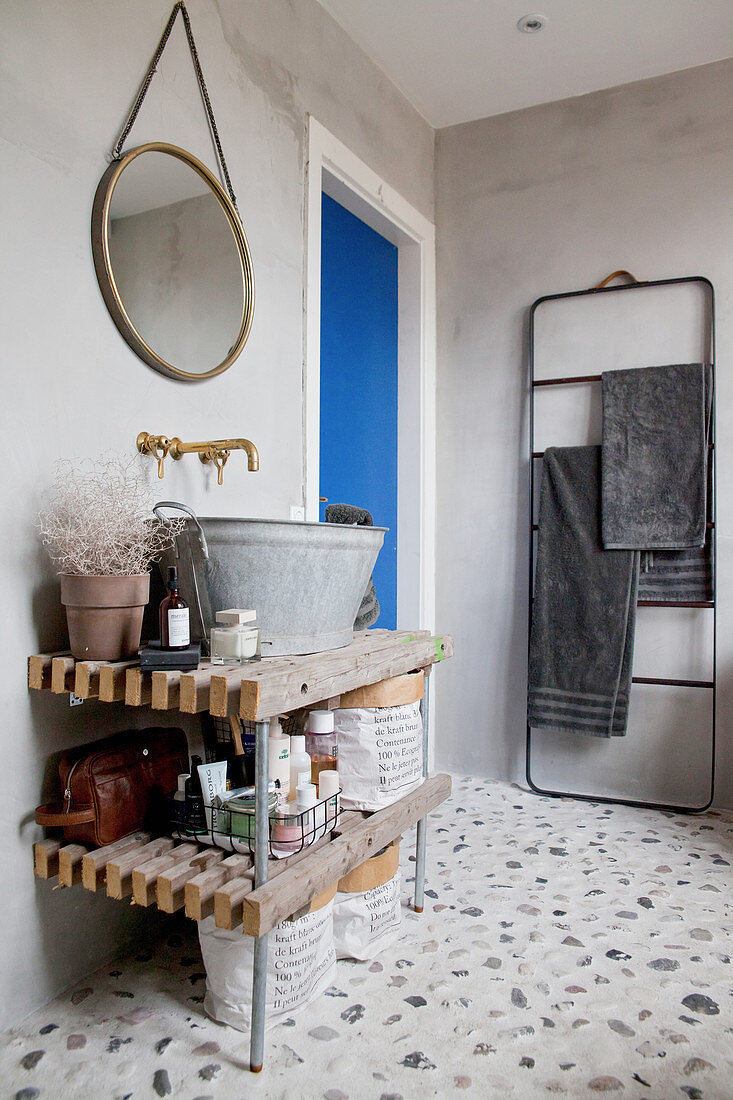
178, 448
253, 455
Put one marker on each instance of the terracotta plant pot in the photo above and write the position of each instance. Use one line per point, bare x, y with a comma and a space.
104, 615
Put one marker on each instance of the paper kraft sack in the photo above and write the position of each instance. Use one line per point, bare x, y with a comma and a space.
365, 924
380, 742
366, 911
301, 964
372, 872
387, 693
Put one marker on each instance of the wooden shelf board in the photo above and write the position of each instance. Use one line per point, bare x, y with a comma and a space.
254, 692
145, 875
327, 674
94, 863
70, 870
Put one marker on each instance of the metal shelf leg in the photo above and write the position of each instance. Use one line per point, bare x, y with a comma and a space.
262, 851
421, 843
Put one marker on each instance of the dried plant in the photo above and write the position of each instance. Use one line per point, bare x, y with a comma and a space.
99, 520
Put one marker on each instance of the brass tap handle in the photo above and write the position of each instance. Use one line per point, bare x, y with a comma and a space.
219, 458
155, 445
160, 452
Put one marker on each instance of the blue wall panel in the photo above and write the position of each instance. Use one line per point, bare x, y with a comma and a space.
358, 440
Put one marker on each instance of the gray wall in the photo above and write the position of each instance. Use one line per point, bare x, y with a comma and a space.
531, 203
69, 71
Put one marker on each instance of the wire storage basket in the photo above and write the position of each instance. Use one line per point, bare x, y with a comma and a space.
233, 828
220, 742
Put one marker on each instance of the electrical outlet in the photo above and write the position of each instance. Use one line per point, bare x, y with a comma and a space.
297, 511
75, 700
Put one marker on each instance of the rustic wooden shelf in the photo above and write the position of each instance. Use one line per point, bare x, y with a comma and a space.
204, 880
253, 692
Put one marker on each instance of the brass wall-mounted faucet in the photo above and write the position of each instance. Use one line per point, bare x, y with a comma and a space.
216, 451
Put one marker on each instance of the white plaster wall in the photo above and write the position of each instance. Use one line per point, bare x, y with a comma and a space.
538, 202
71, 387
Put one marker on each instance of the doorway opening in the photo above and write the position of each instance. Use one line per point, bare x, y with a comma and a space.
334, 171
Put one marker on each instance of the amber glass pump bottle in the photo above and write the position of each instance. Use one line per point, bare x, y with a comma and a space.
174, 625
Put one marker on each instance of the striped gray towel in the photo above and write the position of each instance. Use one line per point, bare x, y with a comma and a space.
678, 575
584, 608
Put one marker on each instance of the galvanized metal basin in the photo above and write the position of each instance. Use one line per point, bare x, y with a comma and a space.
305, 580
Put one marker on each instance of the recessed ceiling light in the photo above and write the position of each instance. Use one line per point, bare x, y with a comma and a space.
531, 24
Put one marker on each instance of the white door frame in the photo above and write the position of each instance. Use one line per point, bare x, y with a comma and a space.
333, 168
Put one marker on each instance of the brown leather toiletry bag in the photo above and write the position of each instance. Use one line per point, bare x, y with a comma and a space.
116, 786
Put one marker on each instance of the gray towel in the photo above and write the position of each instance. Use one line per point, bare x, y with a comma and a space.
584, 608
350, 515
655, 433
673, 575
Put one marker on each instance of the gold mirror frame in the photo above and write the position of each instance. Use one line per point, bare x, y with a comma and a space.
105, 275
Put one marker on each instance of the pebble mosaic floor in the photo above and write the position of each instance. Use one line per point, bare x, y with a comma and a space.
566, 948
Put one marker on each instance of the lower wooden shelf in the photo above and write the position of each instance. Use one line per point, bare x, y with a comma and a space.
205, 881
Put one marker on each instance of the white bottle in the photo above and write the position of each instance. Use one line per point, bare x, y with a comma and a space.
305, 801
279, 762
328, 792
300, 763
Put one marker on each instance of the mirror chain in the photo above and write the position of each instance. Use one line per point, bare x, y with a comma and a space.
179, 6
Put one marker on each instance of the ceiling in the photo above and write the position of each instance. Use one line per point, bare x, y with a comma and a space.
458, 60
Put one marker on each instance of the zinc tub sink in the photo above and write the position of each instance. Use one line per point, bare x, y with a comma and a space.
306, 581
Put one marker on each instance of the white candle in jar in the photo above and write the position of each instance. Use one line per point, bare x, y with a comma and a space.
235, 638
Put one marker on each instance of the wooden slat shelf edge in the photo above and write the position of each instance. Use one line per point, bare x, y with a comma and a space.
70, 864
113, 680
279, 898
253, 692
46, 858
327, 674
199, 891
228, 899
138, 687
94, 863
39, 670
145, 874
62, 674
118, 871
230, 692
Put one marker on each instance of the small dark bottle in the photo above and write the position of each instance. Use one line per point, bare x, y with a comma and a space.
174, 626
194, 803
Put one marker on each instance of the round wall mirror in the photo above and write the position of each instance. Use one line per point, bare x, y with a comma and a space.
172, 261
